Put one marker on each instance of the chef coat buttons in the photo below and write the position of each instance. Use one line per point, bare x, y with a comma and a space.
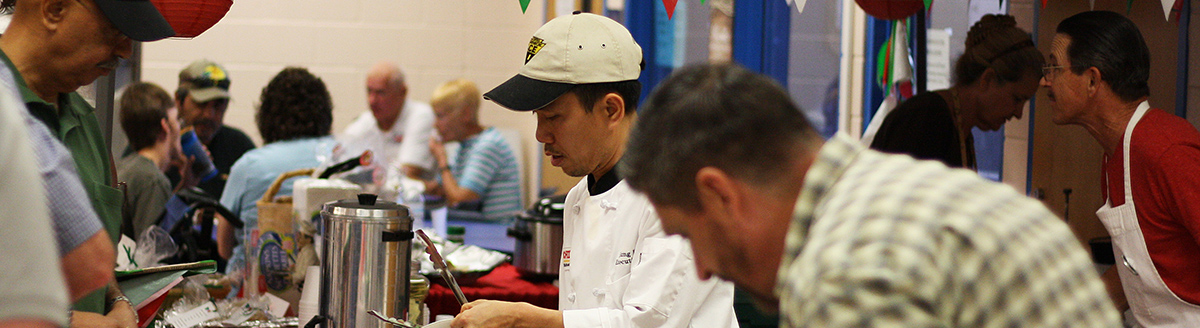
597, 292
575, 209
571, 297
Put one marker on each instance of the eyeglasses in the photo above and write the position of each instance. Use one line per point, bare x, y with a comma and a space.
1050, 71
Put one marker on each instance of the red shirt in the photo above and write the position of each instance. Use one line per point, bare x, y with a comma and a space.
1165, 177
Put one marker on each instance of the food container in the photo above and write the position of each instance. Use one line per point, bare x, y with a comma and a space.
539, 235
271, 247
364, 263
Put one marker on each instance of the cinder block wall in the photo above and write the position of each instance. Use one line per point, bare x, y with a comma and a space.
432, 41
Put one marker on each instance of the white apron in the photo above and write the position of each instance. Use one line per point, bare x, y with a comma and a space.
1152, 303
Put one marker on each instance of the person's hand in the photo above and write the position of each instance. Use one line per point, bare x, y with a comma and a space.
81, 319
434, 188
187, 178
497, 314
438, 150
486, 314
122, 313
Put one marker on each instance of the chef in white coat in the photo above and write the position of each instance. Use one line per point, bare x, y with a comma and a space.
618, 267
1097, 78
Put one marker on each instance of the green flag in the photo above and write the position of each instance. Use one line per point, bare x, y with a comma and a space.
524, 5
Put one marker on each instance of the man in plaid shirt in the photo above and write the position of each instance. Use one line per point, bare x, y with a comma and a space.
835, 235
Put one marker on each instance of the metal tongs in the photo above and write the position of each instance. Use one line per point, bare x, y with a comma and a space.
440, 264
393, 321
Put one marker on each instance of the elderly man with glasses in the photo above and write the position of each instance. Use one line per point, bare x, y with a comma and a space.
53, 47
1097, 78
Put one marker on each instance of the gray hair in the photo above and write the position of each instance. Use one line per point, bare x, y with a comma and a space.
713, 115
391, 70
1112, 44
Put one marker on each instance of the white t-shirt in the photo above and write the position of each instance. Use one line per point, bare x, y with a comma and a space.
407, 142
619, 269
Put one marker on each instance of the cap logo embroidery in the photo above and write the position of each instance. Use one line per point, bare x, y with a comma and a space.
215, 73
535, 45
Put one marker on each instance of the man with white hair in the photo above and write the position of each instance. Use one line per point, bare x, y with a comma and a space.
396, 130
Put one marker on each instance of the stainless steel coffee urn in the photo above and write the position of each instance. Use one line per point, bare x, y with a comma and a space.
365, 262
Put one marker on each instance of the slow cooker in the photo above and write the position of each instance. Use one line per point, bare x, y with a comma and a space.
538, 233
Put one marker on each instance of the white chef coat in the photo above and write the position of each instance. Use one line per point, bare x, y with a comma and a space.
619, 269
406, 142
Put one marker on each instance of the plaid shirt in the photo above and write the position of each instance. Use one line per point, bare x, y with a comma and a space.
886, 241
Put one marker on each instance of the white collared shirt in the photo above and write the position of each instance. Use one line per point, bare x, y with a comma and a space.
407, 142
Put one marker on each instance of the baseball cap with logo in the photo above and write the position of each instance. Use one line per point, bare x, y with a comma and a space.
138, 19
205, 81
569, 50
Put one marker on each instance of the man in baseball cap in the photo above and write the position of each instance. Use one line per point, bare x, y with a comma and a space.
202, 98
53, 47
618, 267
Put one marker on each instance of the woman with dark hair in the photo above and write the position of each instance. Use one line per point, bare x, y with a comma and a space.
294, 117
998, 72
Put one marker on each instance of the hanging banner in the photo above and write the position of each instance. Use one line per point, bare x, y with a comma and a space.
670, 5
524, 5
895, 76
1167, 5
893, 64
799, 5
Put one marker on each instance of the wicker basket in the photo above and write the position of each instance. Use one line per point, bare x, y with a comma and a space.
275, 232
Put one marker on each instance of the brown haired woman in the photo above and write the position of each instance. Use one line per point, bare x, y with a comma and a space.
997, 73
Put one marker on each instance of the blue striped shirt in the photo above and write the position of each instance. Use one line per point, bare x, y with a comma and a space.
488, 167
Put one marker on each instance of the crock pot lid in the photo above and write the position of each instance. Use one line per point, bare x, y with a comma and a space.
534, 216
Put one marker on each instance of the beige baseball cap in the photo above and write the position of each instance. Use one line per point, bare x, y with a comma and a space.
581, 48
205, 81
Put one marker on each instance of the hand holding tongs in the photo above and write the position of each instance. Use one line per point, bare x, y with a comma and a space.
440, 264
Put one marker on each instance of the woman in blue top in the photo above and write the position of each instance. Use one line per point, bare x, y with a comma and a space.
294, 117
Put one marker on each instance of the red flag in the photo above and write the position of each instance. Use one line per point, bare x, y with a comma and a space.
670, 4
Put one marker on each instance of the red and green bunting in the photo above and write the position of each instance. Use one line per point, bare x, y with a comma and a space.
1168, 5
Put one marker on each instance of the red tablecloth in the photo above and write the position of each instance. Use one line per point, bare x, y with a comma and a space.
502, 284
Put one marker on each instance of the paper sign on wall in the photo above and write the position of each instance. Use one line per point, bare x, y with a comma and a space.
937, 59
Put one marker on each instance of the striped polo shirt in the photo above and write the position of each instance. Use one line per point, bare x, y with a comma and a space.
488, 167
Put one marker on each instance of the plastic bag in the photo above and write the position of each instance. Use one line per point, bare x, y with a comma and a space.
154, 245
194, 295
230, 312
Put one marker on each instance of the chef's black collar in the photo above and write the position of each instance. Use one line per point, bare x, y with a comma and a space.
604, 184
